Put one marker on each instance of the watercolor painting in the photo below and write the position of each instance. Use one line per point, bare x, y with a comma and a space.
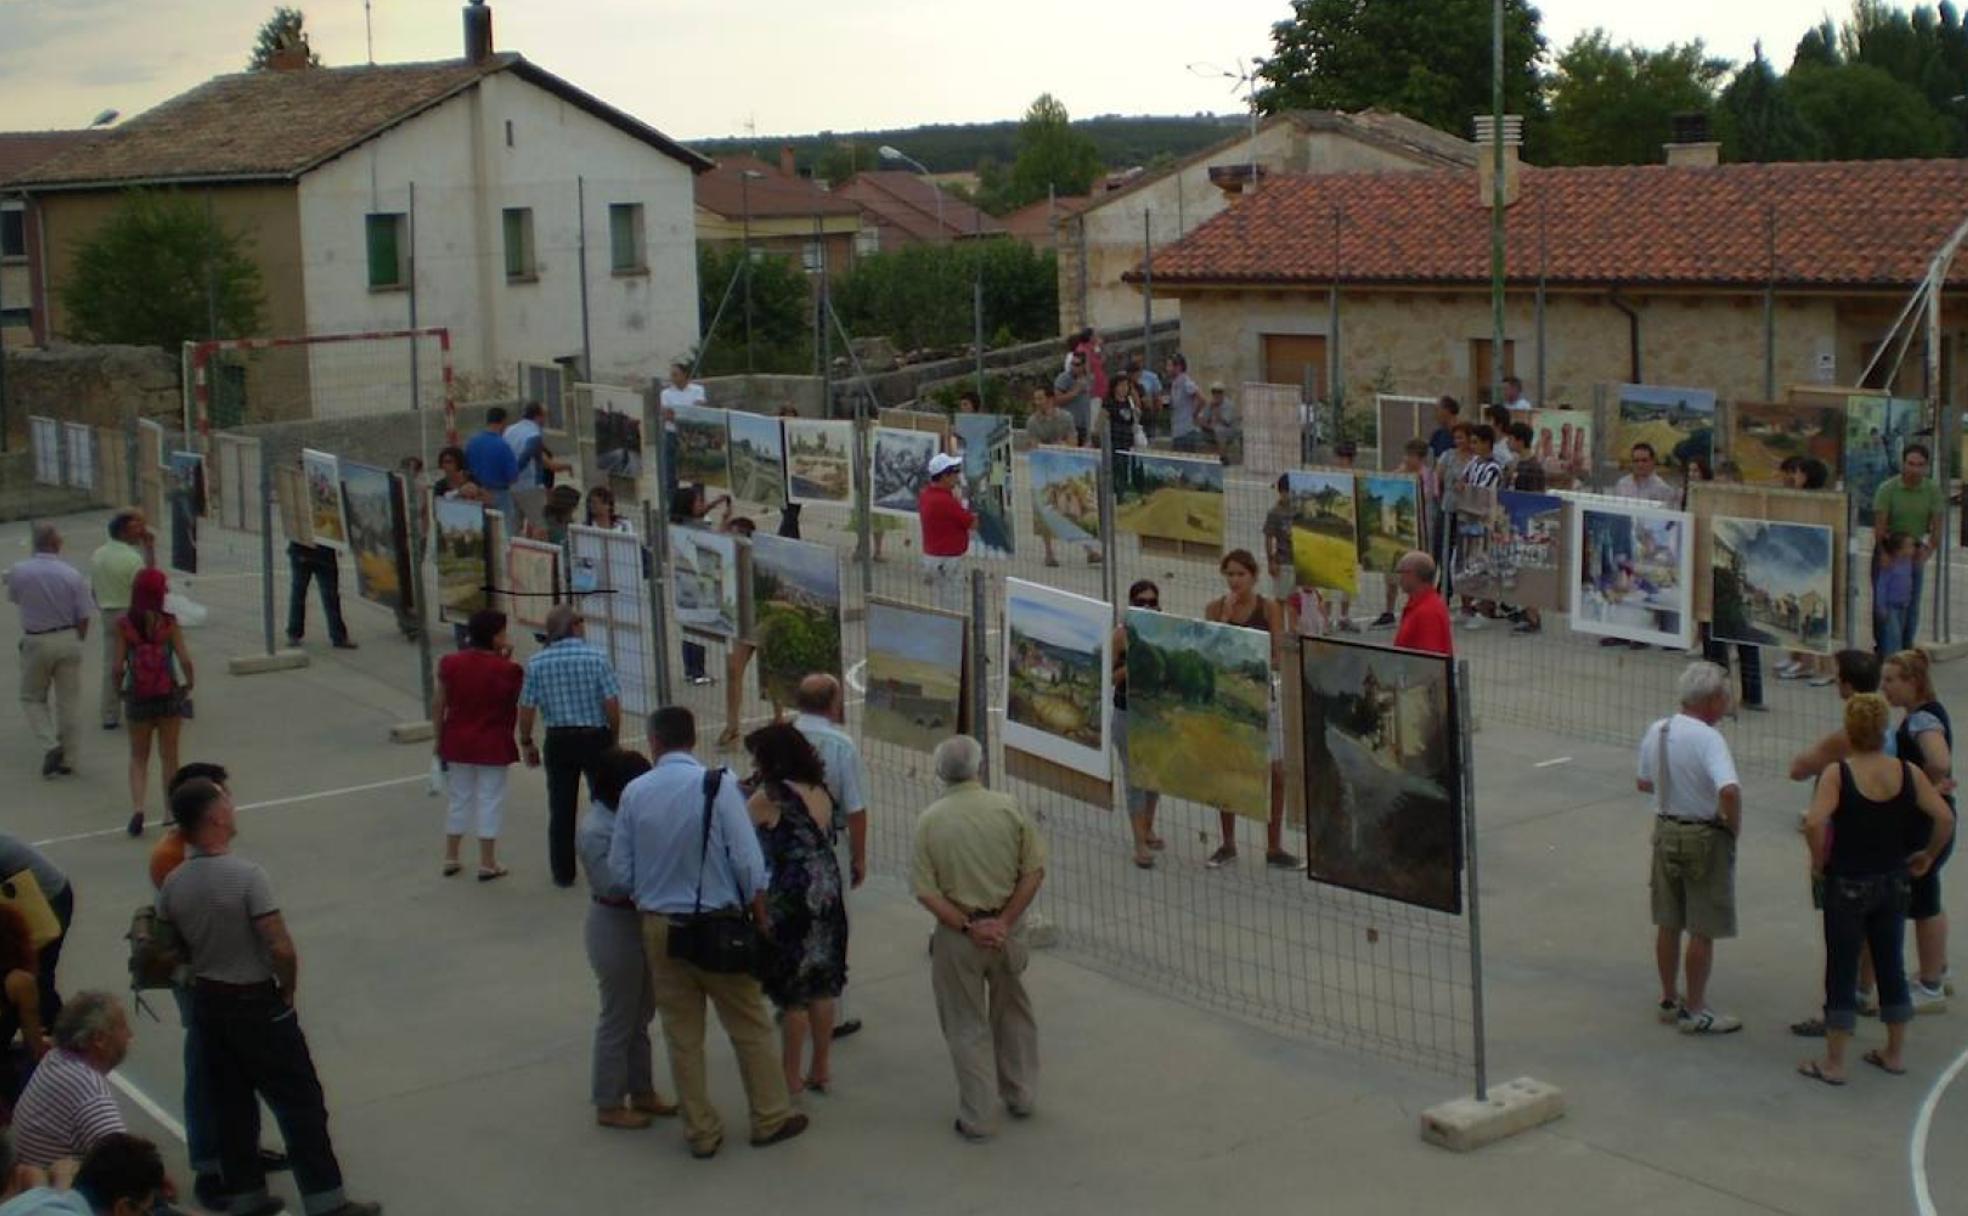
915, 675
1773, 584
1631, 574
1059, 659
1199, 705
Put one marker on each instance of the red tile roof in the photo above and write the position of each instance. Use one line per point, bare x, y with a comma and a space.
723, 190
20, 151
906, 201
1854, 223
1034, 221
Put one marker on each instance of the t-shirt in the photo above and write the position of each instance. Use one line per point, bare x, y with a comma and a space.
690, 394
1185, 399
1277, 530
1699, 767
1908, 509
1079, 406
64, 1110
491, 462
1051, 426
1656, 489
524, 438
214, 902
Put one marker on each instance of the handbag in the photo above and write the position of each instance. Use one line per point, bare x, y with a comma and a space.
723, 941
22, 892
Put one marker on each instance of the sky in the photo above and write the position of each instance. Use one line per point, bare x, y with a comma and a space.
694, 69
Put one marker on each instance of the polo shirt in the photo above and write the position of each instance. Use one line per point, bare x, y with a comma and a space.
112, 569
64, 1110
51, 593
570, 683
491, 462
1080, 406
1911, 510
214, 902
1699, 767
1425, 624
658, 841
524, 438
972, 846
945, 522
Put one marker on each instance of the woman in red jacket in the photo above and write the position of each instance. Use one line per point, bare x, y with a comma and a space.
476, 710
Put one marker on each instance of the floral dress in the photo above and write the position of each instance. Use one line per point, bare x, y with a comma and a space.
806, 919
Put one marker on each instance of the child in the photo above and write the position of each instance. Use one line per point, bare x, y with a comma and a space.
1892, 595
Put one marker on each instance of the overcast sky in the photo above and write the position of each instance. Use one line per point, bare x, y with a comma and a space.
701, 68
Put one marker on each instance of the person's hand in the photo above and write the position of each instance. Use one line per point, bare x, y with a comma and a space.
61, 1174
531, 752
858, 872
1920, 863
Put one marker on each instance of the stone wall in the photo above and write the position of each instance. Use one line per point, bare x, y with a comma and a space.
1034, 359
99, 385
767, 394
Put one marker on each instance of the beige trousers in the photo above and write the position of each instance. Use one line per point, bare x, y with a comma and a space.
987, 1021
52, 661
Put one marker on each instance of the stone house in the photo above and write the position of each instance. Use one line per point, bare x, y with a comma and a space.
20, 151
785, 213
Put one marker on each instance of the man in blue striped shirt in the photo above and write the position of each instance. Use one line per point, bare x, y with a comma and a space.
572, 687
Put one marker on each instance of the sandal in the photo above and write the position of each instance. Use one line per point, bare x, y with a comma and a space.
1145, 861
1809, 1028
819, 1085
485, 875
451, 868
1811, 1069
1878, 1060
1157, 843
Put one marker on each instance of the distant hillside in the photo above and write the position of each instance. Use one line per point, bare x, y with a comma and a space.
1122, 141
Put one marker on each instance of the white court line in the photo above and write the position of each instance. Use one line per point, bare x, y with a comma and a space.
1923, 1198
255, 806
854, 676
1552, 763
147, 1105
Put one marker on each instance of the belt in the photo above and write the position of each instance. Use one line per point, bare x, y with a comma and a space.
1700, 823
40, 633
971, 917
263, 988
615, 901
562, 729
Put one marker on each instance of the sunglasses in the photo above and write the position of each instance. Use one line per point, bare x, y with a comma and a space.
1145, 603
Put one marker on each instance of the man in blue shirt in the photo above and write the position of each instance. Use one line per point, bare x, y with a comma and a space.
672, 868
492, 463
822, 710
572, 686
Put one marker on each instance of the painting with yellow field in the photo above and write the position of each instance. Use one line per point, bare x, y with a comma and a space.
461, 551
1169, 498
1762, 435
1059, 660
1198, 712
915, 675
372, 502
1678, 423
1325, 544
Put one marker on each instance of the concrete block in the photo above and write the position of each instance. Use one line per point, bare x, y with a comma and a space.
1945, 652
1515, 1106
412, 732
257, 664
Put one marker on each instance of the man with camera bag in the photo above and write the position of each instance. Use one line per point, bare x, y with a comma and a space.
686, 850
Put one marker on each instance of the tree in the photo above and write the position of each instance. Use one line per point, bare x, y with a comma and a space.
160, 271
920, 295
1756, 120
1052, 155
838, 162
782, 312
280, 31
1859, 112
1357, 54
1613, 105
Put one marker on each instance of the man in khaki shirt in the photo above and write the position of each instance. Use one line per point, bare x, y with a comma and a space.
978, 864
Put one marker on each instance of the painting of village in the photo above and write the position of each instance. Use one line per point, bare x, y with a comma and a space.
1066, 495
820, 462
758, 459
704, 573
915, 675
1059, 660
1170, 498
796, 613
701, 446
1678, 422
1199, 703
1773, 584
1388, 510
1632, 574
1383, 794
1763, 435
1527, 549
1325, 550
984, 442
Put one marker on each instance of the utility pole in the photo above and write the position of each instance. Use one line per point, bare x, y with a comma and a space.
1496, 201
745, 193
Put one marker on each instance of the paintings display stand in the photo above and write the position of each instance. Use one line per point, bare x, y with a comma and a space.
1272, 430
914, 420
613, 598
1823, 508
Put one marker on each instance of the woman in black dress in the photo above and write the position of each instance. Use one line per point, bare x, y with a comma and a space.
806, 920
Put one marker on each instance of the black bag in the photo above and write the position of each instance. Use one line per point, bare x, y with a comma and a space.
723, 941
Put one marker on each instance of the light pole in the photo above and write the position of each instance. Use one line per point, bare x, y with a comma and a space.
893, 153
745, 192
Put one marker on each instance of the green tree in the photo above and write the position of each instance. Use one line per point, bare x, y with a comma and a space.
782, 312
1613, 105
839, 161
1435, 67
160, 271
281, 30
1859, 112
1051, 155
920, 295
1756, 120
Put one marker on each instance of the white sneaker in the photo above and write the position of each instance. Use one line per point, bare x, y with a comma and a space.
1928, 1000
1472, 620
1707, 1021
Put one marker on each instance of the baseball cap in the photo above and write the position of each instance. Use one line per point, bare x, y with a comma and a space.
942, 463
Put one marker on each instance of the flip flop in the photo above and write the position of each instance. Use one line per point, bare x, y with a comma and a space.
1145, 863
1878, 1061
451, 868
1810, 1068
485, 875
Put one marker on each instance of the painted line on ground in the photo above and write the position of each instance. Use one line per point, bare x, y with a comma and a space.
255, 806
1923, 1198
854, 676
1552, 763
148, 1105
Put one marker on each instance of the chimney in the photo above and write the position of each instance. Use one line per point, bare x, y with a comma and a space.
788, 163
478, 32
1236, 180
1513, 138
289, 57
1691, 148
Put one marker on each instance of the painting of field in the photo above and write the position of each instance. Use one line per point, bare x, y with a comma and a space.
1325, 546
1066, 494
1678, 422
1876, 430
1773, 584
373, 501
915, 675
984, 442
1169, 498
1199, 704
1388, 509
324, 499
900, 468
758, 459
796, 613
820, 462
1631, 575
1059, 660
461, 550
704, 574
1383, 794
1762, 435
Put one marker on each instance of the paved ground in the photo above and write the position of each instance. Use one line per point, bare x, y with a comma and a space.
450, 1020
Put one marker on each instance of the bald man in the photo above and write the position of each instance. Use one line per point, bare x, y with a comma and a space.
1425, 619
822, 709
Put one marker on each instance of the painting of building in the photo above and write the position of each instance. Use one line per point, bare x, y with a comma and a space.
1773, 584
1325, 536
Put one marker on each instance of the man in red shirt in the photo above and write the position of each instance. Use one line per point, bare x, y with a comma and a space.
946, 528
1425, 619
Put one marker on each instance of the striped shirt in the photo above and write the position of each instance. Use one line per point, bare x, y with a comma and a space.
1481, 473
214, 902
570, 683
63, 1111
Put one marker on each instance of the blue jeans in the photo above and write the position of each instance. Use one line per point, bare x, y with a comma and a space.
1892, 628
201, 1140
1913, 609
1860, 912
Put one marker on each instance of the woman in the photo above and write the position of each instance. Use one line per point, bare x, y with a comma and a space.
601, 511
1865, 810
1925, 737
623, 1066
454, 480
20, 1000
476, 709
154, 670
1242, 605
1142, 804
805, 918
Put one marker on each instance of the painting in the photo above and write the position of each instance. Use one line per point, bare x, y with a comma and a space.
1561, 440
915, 675
984, 442
1383, 787
1170, 498
78, 456
1387, 508
1678, 422
324, 499
758, 459
1066, 495
820, 462
1325, 546
1631, 574
185, 478
373, 504
796, 613
1527, 550
291, 496
45, 436
461, 551
1773, 584
238, 461
1059, 656
617, 431
1472, 567
704, 572
1199, 708
900, 468
1762, 435
1876, 430
532, 580
701, 446
1397, 420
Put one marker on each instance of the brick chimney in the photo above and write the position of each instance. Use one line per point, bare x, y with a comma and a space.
478, 31
1691, 148
788, 163
289, 57
1513, 137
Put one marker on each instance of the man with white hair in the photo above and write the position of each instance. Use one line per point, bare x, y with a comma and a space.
66, 1107
1685, 764
55, 607
978, 864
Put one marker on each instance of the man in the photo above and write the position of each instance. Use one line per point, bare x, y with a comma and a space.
1910, 503
978, 864
121, 1176
1150, 386
1442, 438
676, 865
1073, 391
1645, 482
113, 568
681, 390
17, 855
1685, 764
244, 969
946, 527
492, 463
319, 565
1513, 396
55, 607
534, 466
66, 1107
822, 713
1425, 618
1185, 407
1219, 421
571, 686
1857, 672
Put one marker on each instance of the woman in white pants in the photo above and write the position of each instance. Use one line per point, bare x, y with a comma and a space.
476, 711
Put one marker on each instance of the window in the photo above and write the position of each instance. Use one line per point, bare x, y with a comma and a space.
519, 245
389, 246
1481, 371
813, 256
13, 231
625, 248
867, 239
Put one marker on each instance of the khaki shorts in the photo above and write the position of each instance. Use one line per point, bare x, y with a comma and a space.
1694, 878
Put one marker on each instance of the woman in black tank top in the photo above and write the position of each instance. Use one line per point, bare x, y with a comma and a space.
1242, 605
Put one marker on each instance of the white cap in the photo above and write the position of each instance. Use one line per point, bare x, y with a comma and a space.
943, 462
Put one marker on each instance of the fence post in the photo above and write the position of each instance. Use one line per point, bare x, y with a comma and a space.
1109, 560
980, 684
655, 527
1468, 779
266, 548
413, 503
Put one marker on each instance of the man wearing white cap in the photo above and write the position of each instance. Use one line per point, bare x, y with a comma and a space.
946, 528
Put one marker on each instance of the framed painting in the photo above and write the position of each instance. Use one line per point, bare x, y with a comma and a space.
1679, 423
1397, 420
1387, 511
796, 613
78, 456
1762, 435
1631, 573
45, 437
916, 675
704, 576
617, 430
1172, 499
899, 468
758, 458
463, 557
820, 462
1065, 496
324, 499
1059, 659
372, 502
1527, 548
1198, 712
1773, 584
290, 494
1325, 535
1877, 429
532, 580
701, 446
984, 442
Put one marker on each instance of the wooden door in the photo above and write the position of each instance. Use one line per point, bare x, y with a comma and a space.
1297, 359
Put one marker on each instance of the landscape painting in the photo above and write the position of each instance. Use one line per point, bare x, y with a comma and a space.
461, 551
1472, 567
984, 442
617, 431
1199, 704
758, 459
1527, 547
915, 675
704, 572
1631, 575
373, 503
1561, 440
324, 500
1059, 660
1388, 510
532, 580
820, 462
700, 445
1325, 544
1773, 584
1170, 498
1066, 495
1876, 431
796, 613
1762, 435
900, 468
1383, 790
1678, 422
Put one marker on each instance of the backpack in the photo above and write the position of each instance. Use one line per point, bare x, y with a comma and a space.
151, 676
157, 953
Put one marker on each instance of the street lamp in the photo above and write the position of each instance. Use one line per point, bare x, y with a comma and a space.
892, 153
745, 177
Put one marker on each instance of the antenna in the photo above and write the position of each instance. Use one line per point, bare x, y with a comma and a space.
369, 33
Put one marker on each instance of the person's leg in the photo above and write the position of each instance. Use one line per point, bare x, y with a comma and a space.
1751, 660
299, 573
491, 814
1226, 827
1274, 828
36, 677
642, 1070
1014, 1031
1667, 960
1885, 933
68, 696
283, 1072
563, 764
140, 733
201, 1130
742, 1011
1844, 934
234, 1106
820, 1021
1700, 962
1930, 928
461, 786
1910, 626
956, 976
112, 696
792, 1048
680, 1003
1930, 946
739, 657
328, 581
615, 954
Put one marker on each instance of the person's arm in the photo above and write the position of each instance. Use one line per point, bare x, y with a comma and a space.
24, 994
529, 750
1933, 537
759, 807
854, 805
1812, 760
286, 961
184, 655
1643, 778
947, 914
1935, 808
741, 843
1936, 760
1729, 808
621, 850
613, 708
1879, 519
1817, 820
857, 842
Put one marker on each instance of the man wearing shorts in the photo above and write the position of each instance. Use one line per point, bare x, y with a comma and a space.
1685, 764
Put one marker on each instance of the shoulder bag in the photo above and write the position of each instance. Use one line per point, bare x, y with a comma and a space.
723, 941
